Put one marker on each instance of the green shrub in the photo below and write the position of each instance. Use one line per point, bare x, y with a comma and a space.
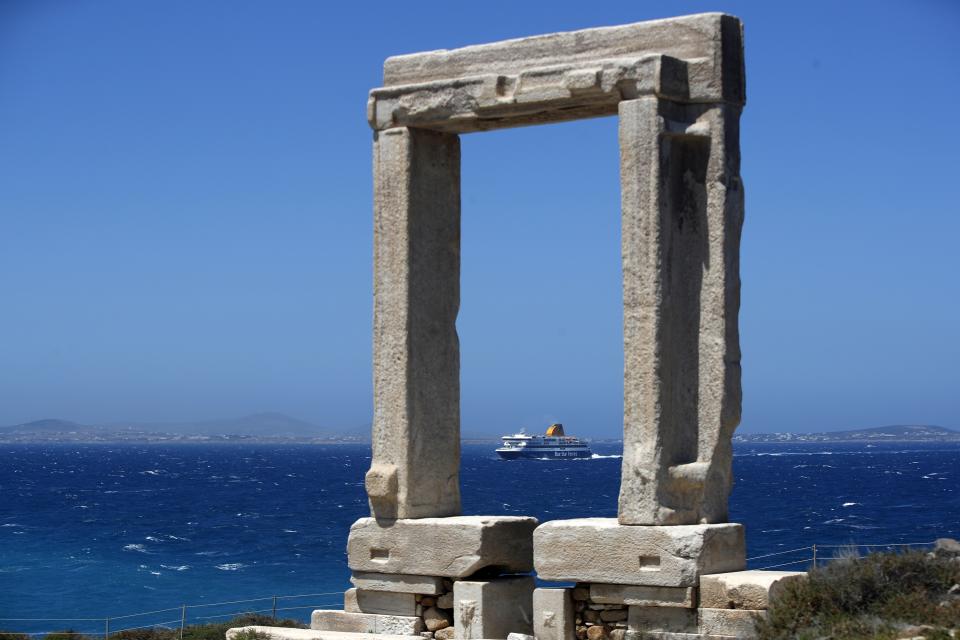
67, 634
876, 596
213, 631
218, 631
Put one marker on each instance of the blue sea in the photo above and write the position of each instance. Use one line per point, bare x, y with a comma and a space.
97, 531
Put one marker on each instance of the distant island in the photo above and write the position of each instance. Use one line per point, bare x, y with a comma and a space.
893, 433
270, 427
278, 428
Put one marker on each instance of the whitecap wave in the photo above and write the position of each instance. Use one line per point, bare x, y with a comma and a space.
182, 567
849, 504
231, 566
135, 547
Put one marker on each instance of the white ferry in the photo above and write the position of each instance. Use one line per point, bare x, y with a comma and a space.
554, 445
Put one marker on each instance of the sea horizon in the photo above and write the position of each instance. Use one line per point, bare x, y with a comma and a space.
94, 530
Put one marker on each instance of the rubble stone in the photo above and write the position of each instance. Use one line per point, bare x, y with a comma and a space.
436, 619
596, 633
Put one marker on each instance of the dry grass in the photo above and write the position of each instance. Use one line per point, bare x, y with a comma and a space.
215, 631
876, 596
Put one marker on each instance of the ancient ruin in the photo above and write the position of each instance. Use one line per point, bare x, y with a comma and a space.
669, 563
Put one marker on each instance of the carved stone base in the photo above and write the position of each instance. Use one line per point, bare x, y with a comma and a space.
599, 550
455, 547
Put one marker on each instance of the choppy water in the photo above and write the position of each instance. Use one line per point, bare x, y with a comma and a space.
91, 531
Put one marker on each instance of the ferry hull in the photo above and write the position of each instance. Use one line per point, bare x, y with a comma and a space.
543, 454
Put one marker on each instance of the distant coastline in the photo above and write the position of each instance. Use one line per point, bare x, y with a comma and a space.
276, 428
893, 433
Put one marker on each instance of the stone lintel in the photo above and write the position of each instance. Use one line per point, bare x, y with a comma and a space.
535, 96
644, 596
714, 38
493, 608
454, 547
372, 581
553, 615
346, 621
744, 589
600, 550
562, 76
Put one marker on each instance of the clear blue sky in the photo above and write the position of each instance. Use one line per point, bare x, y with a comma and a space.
185, 215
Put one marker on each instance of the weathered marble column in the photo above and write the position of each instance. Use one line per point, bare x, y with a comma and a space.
682, 205
416, 353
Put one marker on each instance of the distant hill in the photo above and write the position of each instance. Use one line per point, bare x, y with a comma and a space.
263, 426
257, 424
892, 433
47, 425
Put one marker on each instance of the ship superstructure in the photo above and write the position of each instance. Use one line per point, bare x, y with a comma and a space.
555, 444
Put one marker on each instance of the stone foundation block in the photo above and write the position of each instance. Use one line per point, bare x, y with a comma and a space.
350, 603
739, 623
285, 633
455, 547
494, 608
644, 596
370, 581
382, 602
603, 551
672, 619
744, 589
670, 635
553, 615
330, 620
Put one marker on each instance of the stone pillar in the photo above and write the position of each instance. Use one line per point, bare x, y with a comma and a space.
416, 353
682, 203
